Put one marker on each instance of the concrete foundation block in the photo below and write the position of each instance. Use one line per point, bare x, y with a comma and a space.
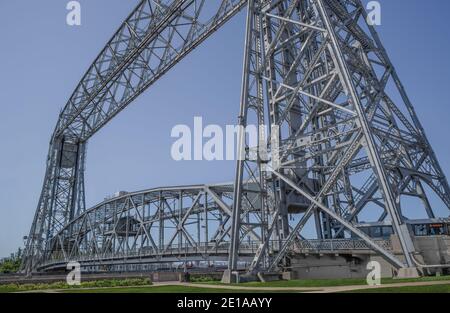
289, 275
408, 272
265, 277
230, 277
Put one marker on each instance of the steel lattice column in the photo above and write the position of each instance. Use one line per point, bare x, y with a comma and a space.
338, 123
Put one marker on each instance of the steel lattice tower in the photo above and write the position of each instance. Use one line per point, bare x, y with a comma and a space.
343, 135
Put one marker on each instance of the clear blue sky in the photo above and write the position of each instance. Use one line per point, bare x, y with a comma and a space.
42, 59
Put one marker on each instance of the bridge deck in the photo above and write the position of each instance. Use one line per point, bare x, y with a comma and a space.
212, 252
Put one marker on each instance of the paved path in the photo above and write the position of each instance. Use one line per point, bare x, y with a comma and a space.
321, 289
360, 287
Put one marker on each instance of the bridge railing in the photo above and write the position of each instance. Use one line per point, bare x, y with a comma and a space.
213, 248
338, 245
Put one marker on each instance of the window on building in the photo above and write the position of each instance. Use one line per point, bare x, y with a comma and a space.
376, 232
387, 231
437, 230
420, 230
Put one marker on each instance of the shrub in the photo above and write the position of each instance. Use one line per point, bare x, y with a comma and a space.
203, 279
89, 284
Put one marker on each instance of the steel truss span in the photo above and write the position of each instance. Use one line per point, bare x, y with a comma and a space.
162, 225
166, 226
345, 143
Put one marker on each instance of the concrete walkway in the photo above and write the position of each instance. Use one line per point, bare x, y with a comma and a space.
320, 289
362, 287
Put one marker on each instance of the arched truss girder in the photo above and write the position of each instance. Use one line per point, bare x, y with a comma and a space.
172, 225
158, 225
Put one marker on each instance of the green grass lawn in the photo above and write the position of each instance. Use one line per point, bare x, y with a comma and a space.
411, 289
183, 289
334, 282
141, 286
161, 289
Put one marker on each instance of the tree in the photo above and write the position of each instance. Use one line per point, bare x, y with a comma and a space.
11, 264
